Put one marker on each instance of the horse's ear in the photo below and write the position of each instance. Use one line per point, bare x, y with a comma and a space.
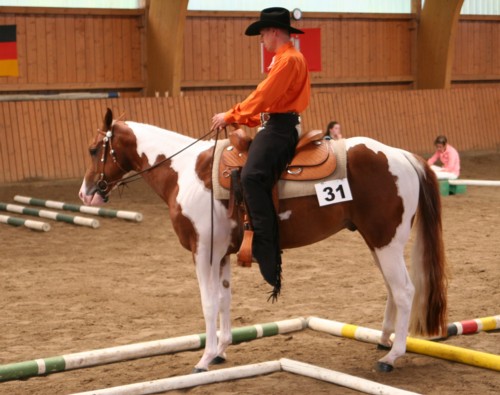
108, 119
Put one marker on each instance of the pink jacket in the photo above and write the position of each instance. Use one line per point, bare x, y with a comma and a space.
449, 158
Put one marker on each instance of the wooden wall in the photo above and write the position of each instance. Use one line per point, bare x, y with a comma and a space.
104, 50
477, 51
76, 49
359, 52
48, 140
366, 49
368, 68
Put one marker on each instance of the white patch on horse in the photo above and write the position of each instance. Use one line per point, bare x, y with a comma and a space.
285, 215
153, 141
193, 197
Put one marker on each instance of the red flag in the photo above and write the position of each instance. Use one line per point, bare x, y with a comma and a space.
308, 43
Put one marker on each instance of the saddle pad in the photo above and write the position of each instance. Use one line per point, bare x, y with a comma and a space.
286, 189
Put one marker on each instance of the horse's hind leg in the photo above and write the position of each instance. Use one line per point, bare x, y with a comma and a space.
225, 336
389, 322
399, 303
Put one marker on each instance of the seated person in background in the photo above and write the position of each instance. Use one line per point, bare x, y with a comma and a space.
333, 131
448, 156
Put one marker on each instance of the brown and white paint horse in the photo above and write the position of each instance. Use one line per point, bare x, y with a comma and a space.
390, 188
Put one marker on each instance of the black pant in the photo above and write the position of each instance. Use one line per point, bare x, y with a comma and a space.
270, 152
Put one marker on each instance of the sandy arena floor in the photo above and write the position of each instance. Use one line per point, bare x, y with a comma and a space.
76, 289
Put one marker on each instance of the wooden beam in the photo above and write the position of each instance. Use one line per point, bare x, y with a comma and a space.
70, 11
314, 81
436, 41
69, 86
165, 37
308, 15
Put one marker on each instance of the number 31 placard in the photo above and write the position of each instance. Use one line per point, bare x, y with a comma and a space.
333, 191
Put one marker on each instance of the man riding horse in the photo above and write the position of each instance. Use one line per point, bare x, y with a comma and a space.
276, 105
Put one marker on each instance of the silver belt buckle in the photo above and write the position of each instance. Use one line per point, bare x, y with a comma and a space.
298, 128
264, 117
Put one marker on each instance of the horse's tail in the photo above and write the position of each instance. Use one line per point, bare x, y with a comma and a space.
428, 269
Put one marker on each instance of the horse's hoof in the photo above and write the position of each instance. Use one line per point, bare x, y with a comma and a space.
384, 367
198, 370
218, 360
383, 347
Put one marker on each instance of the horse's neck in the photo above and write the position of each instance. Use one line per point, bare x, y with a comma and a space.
178, 151
154, 142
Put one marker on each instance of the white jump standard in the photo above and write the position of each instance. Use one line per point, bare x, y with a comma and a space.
43, 366
484, 183
103, 212
27, 369
29, 223
71, 219
245, 371
418, 346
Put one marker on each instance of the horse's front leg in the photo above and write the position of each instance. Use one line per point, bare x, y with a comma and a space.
208, 280
225, 336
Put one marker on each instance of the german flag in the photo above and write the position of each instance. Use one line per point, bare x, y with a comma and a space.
8, 51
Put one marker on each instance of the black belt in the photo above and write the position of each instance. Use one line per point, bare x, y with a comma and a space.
266, 116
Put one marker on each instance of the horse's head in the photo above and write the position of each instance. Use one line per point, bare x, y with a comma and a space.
110, 154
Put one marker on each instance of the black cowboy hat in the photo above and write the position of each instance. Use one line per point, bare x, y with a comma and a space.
272, 17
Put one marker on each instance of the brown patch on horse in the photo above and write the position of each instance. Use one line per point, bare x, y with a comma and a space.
184, 228
203, 167
378, 214
307, 222
164, 181
127, 142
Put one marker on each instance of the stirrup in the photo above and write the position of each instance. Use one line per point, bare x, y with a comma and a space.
244, 255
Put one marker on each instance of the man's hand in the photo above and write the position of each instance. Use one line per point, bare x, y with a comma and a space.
218, 121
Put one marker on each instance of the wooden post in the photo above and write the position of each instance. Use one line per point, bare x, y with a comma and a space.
416, 9
165, 45
436, 41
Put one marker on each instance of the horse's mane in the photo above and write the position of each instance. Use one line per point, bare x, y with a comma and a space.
121, 118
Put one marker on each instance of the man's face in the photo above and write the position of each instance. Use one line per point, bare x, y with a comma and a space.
268, 38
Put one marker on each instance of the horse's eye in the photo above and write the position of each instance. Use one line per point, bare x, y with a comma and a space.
93, 151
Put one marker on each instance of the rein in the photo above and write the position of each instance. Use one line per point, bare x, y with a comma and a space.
212, 200
103, 185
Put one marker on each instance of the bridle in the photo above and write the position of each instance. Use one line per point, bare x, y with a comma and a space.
102, 184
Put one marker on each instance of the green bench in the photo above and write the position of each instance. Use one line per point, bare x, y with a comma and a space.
445, 188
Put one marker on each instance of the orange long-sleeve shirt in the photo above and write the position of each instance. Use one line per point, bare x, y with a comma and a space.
287, 88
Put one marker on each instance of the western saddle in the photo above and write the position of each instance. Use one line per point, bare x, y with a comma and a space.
313, 160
